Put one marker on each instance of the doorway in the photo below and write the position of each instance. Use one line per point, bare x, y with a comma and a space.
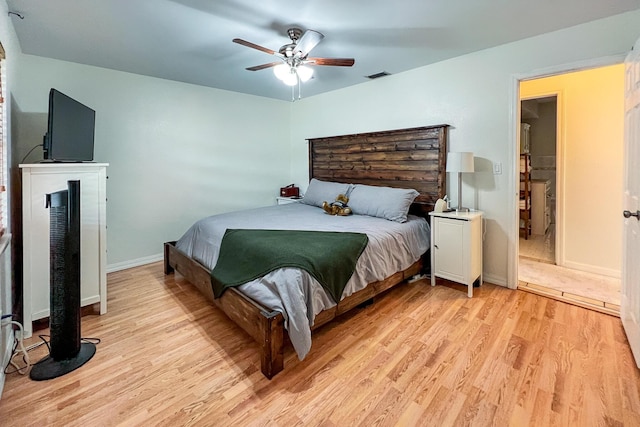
538, 147
570, 250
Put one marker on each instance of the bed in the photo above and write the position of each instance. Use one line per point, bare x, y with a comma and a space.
402, 159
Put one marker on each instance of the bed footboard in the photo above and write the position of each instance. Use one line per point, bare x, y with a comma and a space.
266, 327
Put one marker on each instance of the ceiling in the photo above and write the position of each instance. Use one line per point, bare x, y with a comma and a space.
190, 40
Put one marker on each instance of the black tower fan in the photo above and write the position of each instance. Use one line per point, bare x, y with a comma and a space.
67, 352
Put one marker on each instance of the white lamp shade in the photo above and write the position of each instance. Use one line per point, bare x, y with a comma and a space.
290, 79
460, 162
304, 72
281, 71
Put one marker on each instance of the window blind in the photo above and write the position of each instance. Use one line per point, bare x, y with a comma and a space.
3, 144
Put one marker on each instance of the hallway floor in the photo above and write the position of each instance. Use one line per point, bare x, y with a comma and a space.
538, 274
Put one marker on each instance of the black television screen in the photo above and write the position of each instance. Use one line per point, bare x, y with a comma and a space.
70, 130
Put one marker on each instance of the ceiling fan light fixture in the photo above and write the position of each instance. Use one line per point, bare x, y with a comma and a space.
290, 79
293, 70
304, 72
281, 71
287, 74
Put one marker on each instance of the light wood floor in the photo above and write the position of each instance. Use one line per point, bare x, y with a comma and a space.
418, 356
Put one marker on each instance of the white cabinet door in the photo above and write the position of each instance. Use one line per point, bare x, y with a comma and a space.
456, 250
43, 184
450, 250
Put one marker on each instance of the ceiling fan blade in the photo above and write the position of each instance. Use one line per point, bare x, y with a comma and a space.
337, 62
308, 41
263, 66
254, 46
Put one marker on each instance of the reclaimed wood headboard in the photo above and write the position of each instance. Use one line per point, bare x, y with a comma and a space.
402, 158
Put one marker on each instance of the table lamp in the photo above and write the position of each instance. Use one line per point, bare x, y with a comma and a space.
461, 162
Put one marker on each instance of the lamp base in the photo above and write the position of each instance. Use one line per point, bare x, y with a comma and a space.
462, 209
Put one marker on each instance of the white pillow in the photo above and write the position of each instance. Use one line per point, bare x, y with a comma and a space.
382, 202
323, 191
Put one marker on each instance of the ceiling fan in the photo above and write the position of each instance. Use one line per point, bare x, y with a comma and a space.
294, 57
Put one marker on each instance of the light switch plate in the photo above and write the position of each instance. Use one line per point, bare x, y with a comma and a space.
497, 168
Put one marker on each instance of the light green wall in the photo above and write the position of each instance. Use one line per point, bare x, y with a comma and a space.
177, 152
476, 94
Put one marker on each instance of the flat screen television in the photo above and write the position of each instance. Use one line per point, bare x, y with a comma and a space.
70, 130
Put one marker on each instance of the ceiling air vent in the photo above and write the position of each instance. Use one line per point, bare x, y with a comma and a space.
378, 75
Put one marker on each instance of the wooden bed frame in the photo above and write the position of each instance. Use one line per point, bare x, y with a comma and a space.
404, 158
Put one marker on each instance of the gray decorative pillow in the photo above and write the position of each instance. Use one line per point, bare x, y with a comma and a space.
321, 191
382, 202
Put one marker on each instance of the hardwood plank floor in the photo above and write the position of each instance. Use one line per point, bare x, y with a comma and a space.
418, 356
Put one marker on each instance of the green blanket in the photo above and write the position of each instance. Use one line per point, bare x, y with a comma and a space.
246, 255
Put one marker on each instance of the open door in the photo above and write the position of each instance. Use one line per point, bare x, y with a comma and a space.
630, 308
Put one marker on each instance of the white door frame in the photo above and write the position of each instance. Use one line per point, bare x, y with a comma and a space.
514, 150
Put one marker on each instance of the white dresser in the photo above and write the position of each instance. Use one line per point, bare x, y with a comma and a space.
456, 247
540, 209
38, 180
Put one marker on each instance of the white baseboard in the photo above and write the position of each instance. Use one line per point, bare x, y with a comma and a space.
616, 274
134, 263
500, 281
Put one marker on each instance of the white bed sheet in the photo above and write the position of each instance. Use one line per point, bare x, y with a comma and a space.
295, 293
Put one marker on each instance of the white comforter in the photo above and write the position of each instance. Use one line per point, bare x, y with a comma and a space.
296, 294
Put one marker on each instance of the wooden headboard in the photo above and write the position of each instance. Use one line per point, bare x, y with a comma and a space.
402, 158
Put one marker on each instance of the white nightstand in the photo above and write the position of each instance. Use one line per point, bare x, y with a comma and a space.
456, 247
286, 200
